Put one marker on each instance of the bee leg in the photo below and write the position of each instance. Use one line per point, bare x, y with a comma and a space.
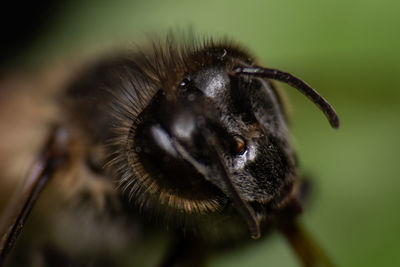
52, 157
309, 252
306, 248
185, 253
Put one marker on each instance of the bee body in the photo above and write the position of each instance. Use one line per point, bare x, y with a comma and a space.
183, 140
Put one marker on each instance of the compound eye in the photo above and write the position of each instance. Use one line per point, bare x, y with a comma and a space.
239, 146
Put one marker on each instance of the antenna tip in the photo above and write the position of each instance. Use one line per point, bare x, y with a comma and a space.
334, 121
336, 125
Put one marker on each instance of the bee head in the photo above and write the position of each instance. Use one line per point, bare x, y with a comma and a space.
216, 141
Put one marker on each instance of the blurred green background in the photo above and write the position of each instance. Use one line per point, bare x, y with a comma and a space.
347, 50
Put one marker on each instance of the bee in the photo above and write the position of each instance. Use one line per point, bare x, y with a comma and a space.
182, 139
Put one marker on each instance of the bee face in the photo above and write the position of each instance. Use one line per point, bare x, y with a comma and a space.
216, 125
